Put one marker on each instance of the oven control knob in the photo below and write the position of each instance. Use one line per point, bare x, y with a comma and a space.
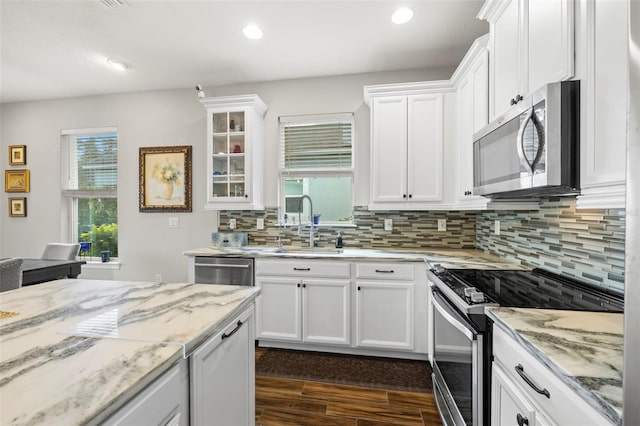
439, 268
477, 297
469, 291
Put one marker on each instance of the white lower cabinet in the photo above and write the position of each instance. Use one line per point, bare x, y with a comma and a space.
222, 374
384, 313
304, 301
316, 304
165, 402
525, 392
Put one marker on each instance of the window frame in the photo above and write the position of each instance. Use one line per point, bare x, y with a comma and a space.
71, 197
286, 173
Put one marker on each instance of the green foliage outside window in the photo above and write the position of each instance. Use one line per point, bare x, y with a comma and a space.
97, 224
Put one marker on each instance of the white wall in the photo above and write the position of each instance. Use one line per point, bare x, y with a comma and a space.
172, 117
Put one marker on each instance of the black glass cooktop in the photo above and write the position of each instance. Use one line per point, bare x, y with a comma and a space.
539, 289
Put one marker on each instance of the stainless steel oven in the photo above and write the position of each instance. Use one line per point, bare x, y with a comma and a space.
462, 334
458, 359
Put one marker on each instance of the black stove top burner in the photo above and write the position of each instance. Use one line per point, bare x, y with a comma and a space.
532, 289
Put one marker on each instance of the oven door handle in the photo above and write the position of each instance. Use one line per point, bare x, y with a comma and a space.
454, 322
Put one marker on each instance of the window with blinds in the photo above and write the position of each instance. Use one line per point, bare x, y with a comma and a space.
316, 142
316, 159
89, 165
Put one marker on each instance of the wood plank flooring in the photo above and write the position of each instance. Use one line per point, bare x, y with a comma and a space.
281, 401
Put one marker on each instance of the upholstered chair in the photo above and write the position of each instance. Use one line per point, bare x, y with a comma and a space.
61, 251
10, 274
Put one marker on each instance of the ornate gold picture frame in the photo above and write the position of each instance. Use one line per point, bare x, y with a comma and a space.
165, 179
17, 155
16, 180
17, 207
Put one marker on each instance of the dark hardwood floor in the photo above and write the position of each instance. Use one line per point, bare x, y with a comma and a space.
282, 401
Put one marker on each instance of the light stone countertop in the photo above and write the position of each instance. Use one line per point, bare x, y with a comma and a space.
58, 368
583, 349
449, 258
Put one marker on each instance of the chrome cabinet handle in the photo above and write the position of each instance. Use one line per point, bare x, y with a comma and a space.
520, 370
522, 420
234, 331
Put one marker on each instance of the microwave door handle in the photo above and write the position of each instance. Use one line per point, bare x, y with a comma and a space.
520, 141
540, 130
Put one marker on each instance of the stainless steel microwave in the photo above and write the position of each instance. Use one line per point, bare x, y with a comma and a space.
533, 148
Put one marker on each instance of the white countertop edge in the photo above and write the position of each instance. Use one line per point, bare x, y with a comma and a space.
585, 393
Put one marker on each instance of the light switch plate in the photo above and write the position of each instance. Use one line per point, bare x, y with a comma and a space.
442, 224
174, 222
260, 223
388, 224
232, 224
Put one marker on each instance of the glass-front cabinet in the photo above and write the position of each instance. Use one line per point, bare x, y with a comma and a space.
234, 152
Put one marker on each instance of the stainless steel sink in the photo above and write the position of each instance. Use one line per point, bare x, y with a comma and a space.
310, 250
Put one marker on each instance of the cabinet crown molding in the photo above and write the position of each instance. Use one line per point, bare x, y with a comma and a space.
412, 88
491, 9
238, 101
479, 44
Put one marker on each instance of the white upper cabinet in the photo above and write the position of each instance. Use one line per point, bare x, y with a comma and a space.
531, 45
234, 152
472, 101
601, 66
407, 144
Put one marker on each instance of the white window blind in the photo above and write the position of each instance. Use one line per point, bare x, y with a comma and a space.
89, 164
316, 142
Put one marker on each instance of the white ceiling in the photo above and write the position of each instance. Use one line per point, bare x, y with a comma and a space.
58, 48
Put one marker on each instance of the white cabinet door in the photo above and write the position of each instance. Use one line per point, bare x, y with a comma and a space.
550, 44
506, 58
278, 309
425, 148
473, 103
223, 376
532, 44
326, 311
385, 317
389, 149
602, 65
508, 405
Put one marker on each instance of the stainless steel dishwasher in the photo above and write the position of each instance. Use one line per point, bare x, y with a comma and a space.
224, 270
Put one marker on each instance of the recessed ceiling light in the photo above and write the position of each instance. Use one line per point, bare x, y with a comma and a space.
118, 64
252, 32
402, 15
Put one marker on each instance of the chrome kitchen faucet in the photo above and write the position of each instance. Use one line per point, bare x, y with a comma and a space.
311, 239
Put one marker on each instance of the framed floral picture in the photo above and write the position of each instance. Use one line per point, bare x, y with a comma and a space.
165, 179
16, 180
17, 207
17, 155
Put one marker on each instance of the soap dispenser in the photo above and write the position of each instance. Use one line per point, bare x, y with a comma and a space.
339, 241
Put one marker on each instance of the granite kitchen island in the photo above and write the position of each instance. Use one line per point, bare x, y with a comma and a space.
78, 351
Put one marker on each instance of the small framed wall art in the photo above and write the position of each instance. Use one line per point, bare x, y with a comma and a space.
165, 179
16, 180
17, 207
17, 155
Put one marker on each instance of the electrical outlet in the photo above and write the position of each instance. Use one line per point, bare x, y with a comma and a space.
174, 222
158, 278
388, 224
260, 223
496, 227
442, 224
232, 224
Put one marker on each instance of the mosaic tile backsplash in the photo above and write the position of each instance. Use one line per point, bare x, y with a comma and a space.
411, 230
585, 244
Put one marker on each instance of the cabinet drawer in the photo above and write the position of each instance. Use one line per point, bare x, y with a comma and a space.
302, 268
564, 406
385, 271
